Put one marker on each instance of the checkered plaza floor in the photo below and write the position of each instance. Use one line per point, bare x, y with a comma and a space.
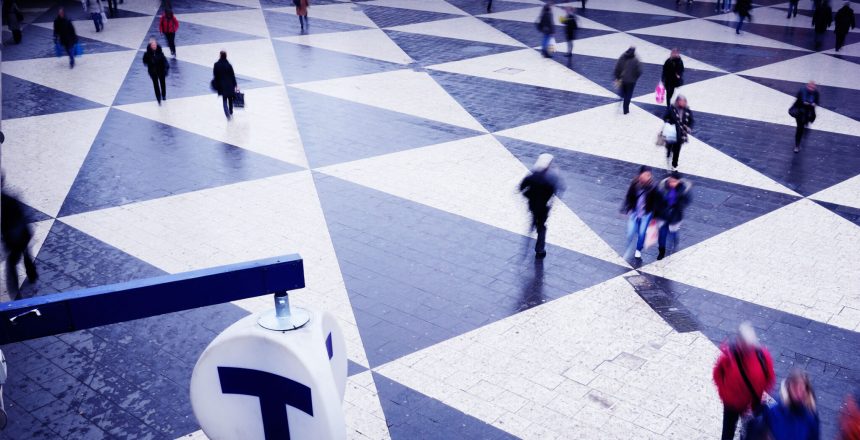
385, 146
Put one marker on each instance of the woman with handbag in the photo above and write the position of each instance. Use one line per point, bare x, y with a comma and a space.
224, 82
679, 116
803, 111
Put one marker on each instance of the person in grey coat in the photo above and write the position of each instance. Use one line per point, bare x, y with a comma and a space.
627, 72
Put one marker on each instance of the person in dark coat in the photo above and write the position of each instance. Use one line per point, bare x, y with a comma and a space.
627, 72
803, 111
639, 205
225, 83
674, 198
570, 27
539, 187
673, 74
845, 21
157, 66
681, 116
822, 18
742, 8
546, 27
792, 8
65, 35
13, 17
16, 236
794, 417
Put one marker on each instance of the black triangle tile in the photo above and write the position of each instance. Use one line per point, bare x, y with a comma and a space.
170, 161
477, 7
184, 80
841, 100
445, 274
190, 34
286, 25
625, 21
726, 56
428, 49
300, 63
800, 37
335, 130
499, 105
825, 160
23, 98
527, 34
847, 212
596, 187
387, 17
411, 415
38, 42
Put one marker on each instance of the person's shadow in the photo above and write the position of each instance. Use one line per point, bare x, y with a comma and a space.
532, 290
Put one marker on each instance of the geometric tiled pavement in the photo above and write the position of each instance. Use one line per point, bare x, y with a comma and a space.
385, 147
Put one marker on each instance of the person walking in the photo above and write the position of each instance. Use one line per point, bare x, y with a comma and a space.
627, 72
673, 74
112, 8
546, 27
681, 117
168, 25
795, 416
157, 66
803, 111
96, 9
845, 21
302, 12
792, 8
742, 374
639, 205
224, 83
742, 8
570, 27
65, 35
16, 236
822, 18
538, 188
849, 418
13, 17
674, 197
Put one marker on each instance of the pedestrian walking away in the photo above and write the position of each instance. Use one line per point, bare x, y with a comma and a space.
168, 25
16, 236
583, 4
845, 21
803, 111
65, 35
679, 115
489, 6
302, 11
112, 7
742, 374
224, 82
538, 188
674, 197
13, 17
795, 415
639, 205
822, 18
96, 10
742, 8
627, 72
157, 66
792, 8
570, 26
673, 74
547, 28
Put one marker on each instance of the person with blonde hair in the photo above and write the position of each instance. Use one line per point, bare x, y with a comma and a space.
795, 417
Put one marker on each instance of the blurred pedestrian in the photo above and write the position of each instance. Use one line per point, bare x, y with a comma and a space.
489, 6
674, 198
803, 111
112, 8
742, 8
539, 187
849, 419
680, 115
583, 4
792, 8
795, 416
547, 28
822, 18
96, 9
673, 74
65, 35
16, 236
743, 373
639, 205
224, 83
570, 26
302, 12
627, 72
845, 21
13, 17
168, 25
157, 66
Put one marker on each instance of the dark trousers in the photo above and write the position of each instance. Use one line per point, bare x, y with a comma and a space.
673, 150
818, 37
627, 95
171, 42
489, 5
792, 9
799, 132
228, 105
15, 255
730, 422
160, 93
539, 217
70, 50
16, 35
840, 40
741, 19
670, 91
97, 20
663, 236
112, 8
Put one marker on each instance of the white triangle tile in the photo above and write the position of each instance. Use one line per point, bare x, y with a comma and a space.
40, 232
370, 43
223, 225
525, 67
266, 126
846, 193
613, 45
465, 28
148, 7
852, 50
445, 177
126, 32
247, 21
731, 95
628, 6
823, 69
440, 6
343, 13
253, 58
96, 77
632, 139
42, 154
714, 32
362, 410
405, 91
245, 3
774, 259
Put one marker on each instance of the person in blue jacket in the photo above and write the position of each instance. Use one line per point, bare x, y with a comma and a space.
795, 417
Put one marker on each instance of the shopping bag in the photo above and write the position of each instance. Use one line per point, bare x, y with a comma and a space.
660, 92
239, 100
670, 132
550, 47
58, 49
79, 50
651, 234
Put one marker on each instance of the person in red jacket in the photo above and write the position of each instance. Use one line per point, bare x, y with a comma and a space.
744, 371
168, 25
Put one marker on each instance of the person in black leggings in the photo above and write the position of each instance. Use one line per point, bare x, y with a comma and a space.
803, 111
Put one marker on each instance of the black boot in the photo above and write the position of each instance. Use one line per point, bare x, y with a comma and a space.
661, 253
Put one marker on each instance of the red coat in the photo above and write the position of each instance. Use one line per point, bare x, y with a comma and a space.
168, 25
733, 391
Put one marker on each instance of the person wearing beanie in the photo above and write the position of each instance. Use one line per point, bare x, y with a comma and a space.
538, 188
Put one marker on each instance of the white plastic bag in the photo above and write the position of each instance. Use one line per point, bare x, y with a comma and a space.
670, 132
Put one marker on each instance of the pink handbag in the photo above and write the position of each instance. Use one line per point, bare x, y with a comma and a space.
660, 91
